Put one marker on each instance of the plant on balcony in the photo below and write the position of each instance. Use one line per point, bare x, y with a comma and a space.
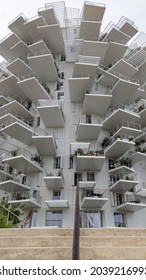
90, 153
13, 220
141, 107
138, 149
105, 142
144, 151
126, 161
79, 151
101, 152
130, 138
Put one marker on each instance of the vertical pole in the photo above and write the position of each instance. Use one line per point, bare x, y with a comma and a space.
76, 230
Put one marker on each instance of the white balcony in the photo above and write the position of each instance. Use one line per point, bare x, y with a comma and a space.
122, 183
14, 184
20, 49
33, 87
137, 155
91, 45
128, 128
93, 199
19, 66
119, 145
141, 110
43, 64
96, 101
51, 33
123, 166
10, 82
17, 127
44, 142
54, 179
124, 91
89, 161
51, 113
59, 203
25, 198
5, 46
88, 131
130, 203
124, 68
114, 51
118, 113
87, 184
74, 146
89, 27
24, 161
113, 33
77, 84
127, 26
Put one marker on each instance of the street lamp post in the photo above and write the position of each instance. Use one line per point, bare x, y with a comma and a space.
76, 231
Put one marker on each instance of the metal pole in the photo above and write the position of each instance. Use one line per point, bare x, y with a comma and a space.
76, 231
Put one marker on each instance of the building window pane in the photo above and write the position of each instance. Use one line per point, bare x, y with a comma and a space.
54, 218
119, 220
57, 163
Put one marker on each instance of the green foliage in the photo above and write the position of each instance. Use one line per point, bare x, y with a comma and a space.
12, 219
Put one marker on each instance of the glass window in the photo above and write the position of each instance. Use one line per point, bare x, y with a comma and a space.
56, 194
34, 219
77, 177
57, 163
90, 177
60, 96
71, 162
88, 118
54, 218
119, 220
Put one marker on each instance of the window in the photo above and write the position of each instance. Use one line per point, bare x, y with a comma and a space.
90, 177
54, 218
71, 162
77, 177
57, 162
38, 121
119, 220
88, 118
62, 75
56, 195
59, 86
91, 219
60, 96
34, 219
63, 58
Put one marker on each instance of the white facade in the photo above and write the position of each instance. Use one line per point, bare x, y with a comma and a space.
73, 110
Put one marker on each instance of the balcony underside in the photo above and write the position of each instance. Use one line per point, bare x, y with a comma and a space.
33, 89
53, 37
48, 14
87, 184
96, 48
88, 131
55, 204
27, 203
6, 86
89, 163
89, 29
114, 52
124, 92
128, 131
131, 207
117, 35
39, 46
129, 29
19, 66
51, 116
23, 164
93, 202
96, 104
93, 10
87, 66
117, 116
122, 186
44, 66
15, 106
106, 79
19, 132
3, 100
6, 44
45, 145
20, 50
121, 169
118, 148
137, 157
53, 182
12, 186
124, 68
77, 88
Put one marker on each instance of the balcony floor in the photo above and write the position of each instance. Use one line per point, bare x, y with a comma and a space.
12, 186
93, 202
131, 207
23, 164
45, 145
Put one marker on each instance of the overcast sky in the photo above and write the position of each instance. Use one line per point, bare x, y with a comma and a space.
133, 9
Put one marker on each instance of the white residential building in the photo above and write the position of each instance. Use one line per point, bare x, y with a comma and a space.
72, 109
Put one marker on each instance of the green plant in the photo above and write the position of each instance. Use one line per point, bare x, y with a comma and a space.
13, 220
80, 151
130, 138
101, 152
126, 161
105, 142
144, 151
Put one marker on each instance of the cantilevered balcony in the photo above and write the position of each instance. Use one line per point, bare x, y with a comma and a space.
92, 45
115, 51
77, 84
122, 182
129, 202
88, 129
24, 161
15, 184
17, 126
140, 107
44, 142
57, 202
9, 87
43, 64
96, 102
123, 67
19, 66
93, 199
27, 198
51, 113
137, 154
122, 166
5, 46
127, 26
91, 19
118, 145
141, 189
90, 160
128, 128
54, 179
117, 114
33, 87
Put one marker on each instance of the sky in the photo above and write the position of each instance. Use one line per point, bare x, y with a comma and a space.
133, 9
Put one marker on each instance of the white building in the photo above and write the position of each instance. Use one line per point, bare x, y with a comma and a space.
72, 100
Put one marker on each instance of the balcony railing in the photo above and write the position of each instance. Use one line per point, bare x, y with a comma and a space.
54, 173
118, 106
94, 120
120, 176
25, 195
98, 92
42, 132
123, 20
127, 162
39, 53
17, 178
120, 136
131, 198
99, 193
88, 59
97, 153
80, 75
13, 113
126, 124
